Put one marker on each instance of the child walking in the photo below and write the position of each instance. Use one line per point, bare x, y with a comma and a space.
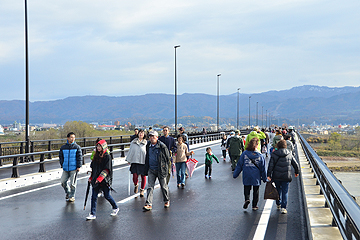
101, 177
209, 156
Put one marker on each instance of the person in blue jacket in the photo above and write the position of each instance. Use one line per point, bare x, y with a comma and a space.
70, 157
252, 163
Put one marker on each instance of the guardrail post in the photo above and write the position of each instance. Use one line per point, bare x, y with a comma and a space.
122, 147
49, 149
83, 156
32, 150
42, 164
111, 152
1, 161
15, 170
21, 152
85, 146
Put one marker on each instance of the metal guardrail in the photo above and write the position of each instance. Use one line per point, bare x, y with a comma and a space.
345, 211
117, 147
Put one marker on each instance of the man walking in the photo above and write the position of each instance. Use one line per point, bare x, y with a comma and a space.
236, 147
157, 166
170, 144
70, 157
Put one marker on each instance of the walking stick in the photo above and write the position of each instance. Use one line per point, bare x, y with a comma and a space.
87, 192
129, 182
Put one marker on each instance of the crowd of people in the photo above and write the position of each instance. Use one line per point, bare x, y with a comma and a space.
154, 157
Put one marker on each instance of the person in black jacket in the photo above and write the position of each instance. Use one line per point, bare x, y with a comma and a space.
157, 161
279, 171
101, 177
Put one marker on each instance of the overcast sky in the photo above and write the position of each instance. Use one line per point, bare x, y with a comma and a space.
120, 48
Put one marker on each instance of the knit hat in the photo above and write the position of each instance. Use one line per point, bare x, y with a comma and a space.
103, 144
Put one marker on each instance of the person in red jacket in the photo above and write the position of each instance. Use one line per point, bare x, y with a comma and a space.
101, 177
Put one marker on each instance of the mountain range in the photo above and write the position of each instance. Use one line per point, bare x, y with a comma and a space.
303, 104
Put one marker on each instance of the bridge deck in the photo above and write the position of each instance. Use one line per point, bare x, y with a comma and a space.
205, 209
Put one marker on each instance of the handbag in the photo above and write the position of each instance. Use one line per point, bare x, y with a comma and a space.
271, 192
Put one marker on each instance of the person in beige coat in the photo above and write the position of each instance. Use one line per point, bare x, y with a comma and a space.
180, 160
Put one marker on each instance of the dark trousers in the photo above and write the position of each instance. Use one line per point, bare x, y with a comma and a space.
224, 153
247, 189
208, 167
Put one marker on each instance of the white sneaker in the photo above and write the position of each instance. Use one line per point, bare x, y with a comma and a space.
114, 212
72, 199
283, 211
90, 217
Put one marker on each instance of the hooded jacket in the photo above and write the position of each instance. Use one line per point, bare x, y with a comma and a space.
280, 165
251, 135
70, 156
236, 146
252, 175
137, 151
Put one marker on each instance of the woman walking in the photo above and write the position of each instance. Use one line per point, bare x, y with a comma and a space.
101, 177
279, 171
252, 163
136, 157
180, 160
223, 146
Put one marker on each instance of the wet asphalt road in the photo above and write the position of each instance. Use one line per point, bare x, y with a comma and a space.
205, 209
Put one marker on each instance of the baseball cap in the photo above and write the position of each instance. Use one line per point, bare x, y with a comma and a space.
153, 133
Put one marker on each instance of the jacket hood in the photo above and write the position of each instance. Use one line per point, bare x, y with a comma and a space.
252, 154
103, 144
282, 152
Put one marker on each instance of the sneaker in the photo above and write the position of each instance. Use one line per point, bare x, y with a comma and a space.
100, 194
147, 207
114, 212
90, 217
209, 176
205, 176
67, 197
224, 159
246, 204
167, 204
278, 206
283, 211
142, 192
182, 185
178, 185
72, 199
136, 189
255, 208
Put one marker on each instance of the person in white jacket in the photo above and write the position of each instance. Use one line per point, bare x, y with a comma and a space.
136, 157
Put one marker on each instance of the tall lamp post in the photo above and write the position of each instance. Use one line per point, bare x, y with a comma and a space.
266, 119
257, 124
175, 47
262, 116
238, 109
27, 83
218, 102
249, 111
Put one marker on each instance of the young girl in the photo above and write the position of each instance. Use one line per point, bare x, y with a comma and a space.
223, 147
136, 157
101, 177
209, 156
180, 160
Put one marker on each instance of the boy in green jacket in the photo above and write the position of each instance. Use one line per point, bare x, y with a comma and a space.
208, 161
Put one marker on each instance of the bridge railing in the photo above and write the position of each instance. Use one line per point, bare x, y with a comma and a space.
113, 148
345, 211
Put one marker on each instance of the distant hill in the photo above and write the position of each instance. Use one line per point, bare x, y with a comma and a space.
306, 103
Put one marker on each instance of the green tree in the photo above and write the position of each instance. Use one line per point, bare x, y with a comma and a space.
80, 128
335, 141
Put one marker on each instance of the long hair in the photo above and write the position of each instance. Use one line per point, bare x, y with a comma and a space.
252, 144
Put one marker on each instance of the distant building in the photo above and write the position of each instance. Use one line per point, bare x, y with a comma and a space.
106, 127
1, 130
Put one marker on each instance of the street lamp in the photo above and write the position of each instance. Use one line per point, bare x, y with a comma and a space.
249, 111
175, 47
218, 76
238, 109
27, 83
257, 103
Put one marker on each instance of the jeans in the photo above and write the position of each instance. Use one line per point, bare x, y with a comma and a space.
208, 167
152, 175
180, 172
68, 182
247, 189
107, 196
282, 188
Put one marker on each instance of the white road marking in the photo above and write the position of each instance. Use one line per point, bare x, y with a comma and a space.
264, 220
